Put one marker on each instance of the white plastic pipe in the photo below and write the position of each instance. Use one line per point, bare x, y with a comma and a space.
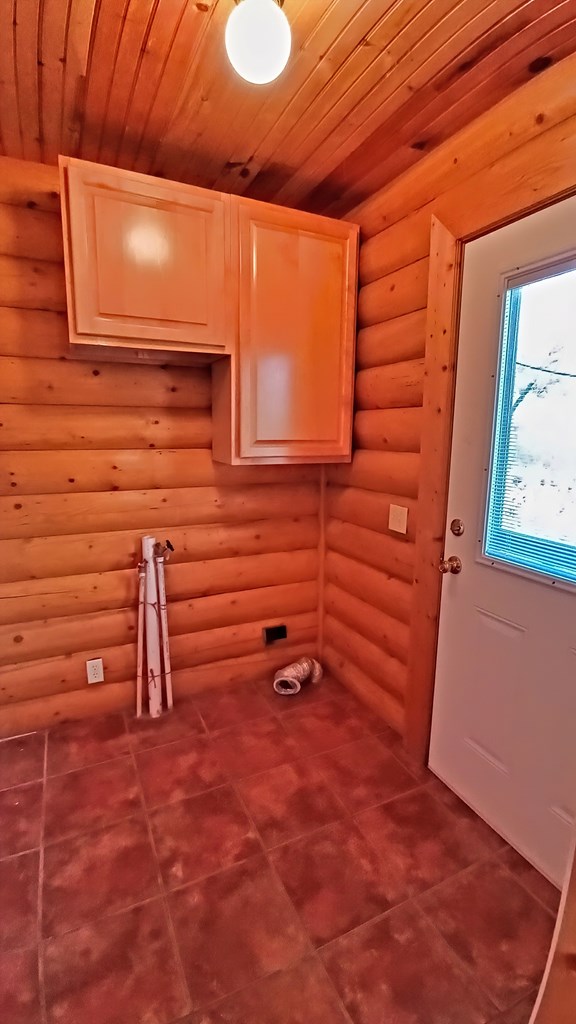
151, 617
140, 647
164, 628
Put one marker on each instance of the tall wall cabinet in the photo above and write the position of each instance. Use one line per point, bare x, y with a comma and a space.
266, 293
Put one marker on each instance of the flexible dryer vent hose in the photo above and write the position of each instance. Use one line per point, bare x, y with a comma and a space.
289, 680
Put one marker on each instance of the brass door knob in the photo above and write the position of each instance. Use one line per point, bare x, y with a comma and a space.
452, 564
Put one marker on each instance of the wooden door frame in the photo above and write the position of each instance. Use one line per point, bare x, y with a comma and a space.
442, 328
442, 323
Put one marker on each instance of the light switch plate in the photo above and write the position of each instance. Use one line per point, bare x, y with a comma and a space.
398, 518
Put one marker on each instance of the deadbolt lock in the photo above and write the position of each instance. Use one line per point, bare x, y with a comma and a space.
452, 564
457, 527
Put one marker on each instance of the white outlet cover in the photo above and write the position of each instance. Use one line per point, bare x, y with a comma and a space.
95, 670
398, 518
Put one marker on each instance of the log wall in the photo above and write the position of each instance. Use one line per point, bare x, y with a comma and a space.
369, 569
92, 455
517, 157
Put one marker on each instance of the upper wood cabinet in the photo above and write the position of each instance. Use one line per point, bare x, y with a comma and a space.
289, 384
158, 267
147, 261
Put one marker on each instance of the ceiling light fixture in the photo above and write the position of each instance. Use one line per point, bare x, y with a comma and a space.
258, 40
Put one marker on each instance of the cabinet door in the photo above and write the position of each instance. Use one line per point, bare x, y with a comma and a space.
298, 276
146, 260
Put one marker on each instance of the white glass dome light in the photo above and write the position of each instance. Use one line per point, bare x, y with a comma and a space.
258, 40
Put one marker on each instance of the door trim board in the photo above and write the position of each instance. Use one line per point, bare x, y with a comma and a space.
442, 323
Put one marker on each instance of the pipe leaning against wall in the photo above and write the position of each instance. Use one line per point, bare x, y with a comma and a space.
152, 630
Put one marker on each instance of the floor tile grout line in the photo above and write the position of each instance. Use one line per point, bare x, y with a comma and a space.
379, 803
92, 719
321, 700
202, 737
489, 855
303, 755
457, 959
30, 782
105, 915
41, 974
233, 725
90, 830
340, 1002
274, 871
21, 785
22, 735
509, 1009
306, 756
494, 857
162, 892
235, 789
152, 808
130, 749
426, 787
509, 870
90, 767
346, 817
170, 890
413, 899
243, 988
446, 805
273, 868
365, 924
20, 853
387, 800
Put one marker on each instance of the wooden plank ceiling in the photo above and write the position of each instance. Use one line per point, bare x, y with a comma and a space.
371, 86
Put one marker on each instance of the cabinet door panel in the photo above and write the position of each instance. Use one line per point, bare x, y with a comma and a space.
297, 308
152, 262
148, 260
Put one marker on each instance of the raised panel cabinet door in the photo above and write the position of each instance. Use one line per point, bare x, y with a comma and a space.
298, 283
147, 260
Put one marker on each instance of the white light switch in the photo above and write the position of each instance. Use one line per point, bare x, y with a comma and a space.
398, 518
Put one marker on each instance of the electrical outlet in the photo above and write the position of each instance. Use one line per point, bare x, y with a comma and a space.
398, 518
95, 670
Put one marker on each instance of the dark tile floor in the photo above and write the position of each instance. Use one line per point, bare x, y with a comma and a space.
254, 859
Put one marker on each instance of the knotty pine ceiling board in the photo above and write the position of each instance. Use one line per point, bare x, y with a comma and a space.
371, 86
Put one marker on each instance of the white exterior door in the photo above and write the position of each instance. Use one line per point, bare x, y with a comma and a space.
504, 718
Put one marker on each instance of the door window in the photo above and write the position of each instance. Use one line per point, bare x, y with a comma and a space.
531, 508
